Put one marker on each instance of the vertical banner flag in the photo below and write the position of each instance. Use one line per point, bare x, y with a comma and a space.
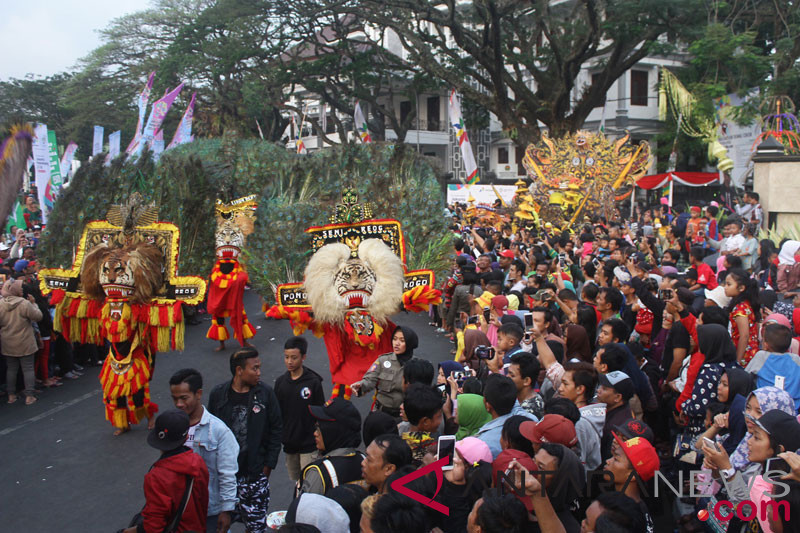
323, 120
97, 143
66, 160
113, 147
144, 97
41, 162
184, 132
470, 167
17, 217
361, 124
299, 144
54, 183
158, 145
156, 118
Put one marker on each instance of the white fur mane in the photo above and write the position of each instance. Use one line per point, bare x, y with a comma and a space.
321, 271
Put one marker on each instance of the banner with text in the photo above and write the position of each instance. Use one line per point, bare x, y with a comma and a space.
41, 163
66, 160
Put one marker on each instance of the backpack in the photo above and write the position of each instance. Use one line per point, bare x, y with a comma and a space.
337, 470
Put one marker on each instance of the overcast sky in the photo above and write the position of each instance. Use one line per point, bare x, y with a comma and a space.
44, 37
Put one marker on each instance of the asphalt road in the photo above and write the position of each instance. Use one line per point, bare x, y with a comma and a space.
63, 470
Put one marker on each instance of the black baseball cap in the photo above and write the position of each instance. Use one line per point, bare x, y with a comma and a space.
620, 382
636, 428
338, 410
782, 427
170, 430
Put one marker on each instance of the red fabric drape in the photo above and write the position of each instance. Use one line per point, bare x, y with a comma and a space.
692, 179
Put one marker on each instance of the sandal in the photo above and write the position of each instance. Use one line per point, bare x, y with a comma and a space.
30, 400
12, 398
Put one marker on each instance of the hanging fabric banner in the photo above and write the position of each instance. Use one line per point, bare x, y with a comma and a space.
113, 147
97, 143
156, 118
361, 124
158, 145
457, 121
184, 132
66, 160
41, 163
144, 97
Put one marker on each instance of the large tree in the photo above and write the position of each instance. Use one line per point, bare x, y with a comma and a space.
521, 60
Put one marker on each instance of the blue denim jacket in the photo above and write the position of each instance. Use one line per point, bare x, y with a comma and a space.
491, 431
216, 444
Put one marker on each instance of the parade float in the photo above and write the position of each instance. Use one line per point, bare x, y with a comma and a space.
355, 280
579, 174
228, 278
123, 290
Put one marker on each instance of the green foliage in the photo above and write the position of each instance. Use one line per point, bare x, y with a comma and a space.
397, 182
295, 192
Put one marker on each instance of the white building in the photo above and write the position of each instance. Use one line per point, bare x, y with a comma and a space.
631, 105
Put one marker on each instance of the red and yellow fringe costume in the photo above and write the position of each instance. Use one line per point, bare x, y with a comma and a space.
126, 372
226, 299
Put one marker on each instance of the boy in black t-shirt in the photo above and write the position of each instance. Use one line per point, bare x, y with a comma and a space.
296, 390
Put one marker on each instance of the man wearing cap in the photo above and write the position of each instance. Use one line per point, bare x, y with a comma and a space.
551, 428
615, 390
337, 435
633, 455
168, 479
251, 410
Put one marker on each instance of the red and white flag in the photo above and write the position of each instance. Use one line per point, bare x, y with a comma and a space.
457, 121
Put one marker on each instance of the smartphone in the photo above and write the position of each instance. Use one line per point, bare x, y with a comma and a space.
447, 447
527, 337
528, 318
472, 320
487, 314
666, 294
562, 260
458, 324
711, 443
596, 262
443, 389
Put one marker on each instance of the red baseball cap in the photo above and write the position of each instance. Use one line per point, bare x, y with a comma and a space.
501, 465
507, 253
641, 454
500, 303
551, 428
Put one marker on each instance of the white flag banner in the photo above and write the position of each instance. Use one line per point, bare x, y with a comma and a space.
457, 121
361, 124
66, 160
97, 143
41, 162
113, 147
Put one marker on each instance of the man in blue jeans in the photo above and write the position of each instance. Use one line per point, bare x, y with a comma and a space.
210, 438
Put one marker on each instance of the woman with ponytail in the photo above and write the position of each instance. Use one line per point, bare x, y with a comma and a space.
743, 313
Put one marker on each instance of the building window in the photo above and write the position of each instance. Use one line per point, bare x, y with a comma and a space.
639, 87
502, 155
433, 113
405, 110
595, 81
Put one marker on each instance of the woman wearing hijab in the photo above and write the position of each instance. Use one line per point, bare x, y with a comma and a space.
735, 385
472, 339
471, 415
788, 267
578, 345
715, 343
759, 402
385, 375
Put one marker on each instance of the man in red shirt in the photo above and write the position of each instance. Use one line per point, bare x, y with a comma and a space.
706, 279
167, 480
